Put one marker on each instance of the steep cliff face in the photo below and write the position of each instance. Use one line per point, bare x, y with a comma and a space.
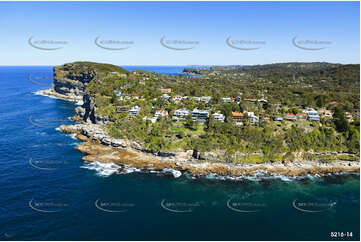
71, 80
72, 83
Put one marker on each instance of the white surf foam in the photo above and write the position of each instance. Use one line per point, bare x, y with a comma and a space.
174, 172
102, 169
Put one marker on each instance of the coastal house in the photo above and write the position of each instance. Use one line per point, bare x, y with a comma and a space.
181, 112
160, 113
251, 100
327, 114
312, 114
263, 101
290, 117
165, 90
218, 117
301, 116
197, 99
152, 119
206, 99
134, 110
278, 118
252, 118
200, 115
238, 117
122, 109
226, 99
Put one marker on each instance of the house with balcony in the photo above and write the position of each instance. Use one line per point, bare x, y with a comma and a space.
180, 114
290, 117
200, 115
238, 117
312, 115
252, 118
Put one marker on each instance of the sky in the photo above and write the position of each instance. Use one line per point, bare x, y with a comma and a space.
179, 33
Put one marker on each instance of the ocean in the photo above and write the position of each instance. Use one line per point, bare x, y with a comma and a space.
48, 193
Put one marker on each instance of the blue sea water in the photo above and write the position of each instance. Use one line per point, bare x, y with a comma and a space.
48, 193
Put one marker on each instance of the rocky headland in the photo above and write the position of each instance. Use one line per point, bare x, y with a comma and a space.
99, 146
70, 82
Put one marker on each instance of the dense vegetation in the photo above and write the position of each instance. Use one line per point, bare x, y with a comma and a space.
288, 87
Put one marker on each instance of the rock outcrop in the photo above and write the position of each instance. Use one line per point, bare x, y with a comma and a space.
72, 79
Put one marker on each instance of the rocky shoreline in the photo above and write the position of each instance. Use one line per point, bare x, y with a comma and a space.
51, 93
99, 147
70, 84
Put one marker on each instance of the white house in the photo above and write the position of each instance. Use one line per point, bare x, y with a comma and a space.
181, 112
312, 114
218, 117
134, 110
206, 99
226, 99
252, 118
200, 115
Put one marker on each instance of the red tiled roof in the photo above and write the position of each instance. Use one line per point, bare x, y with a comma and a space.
301, 114
333, 103
235, 114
